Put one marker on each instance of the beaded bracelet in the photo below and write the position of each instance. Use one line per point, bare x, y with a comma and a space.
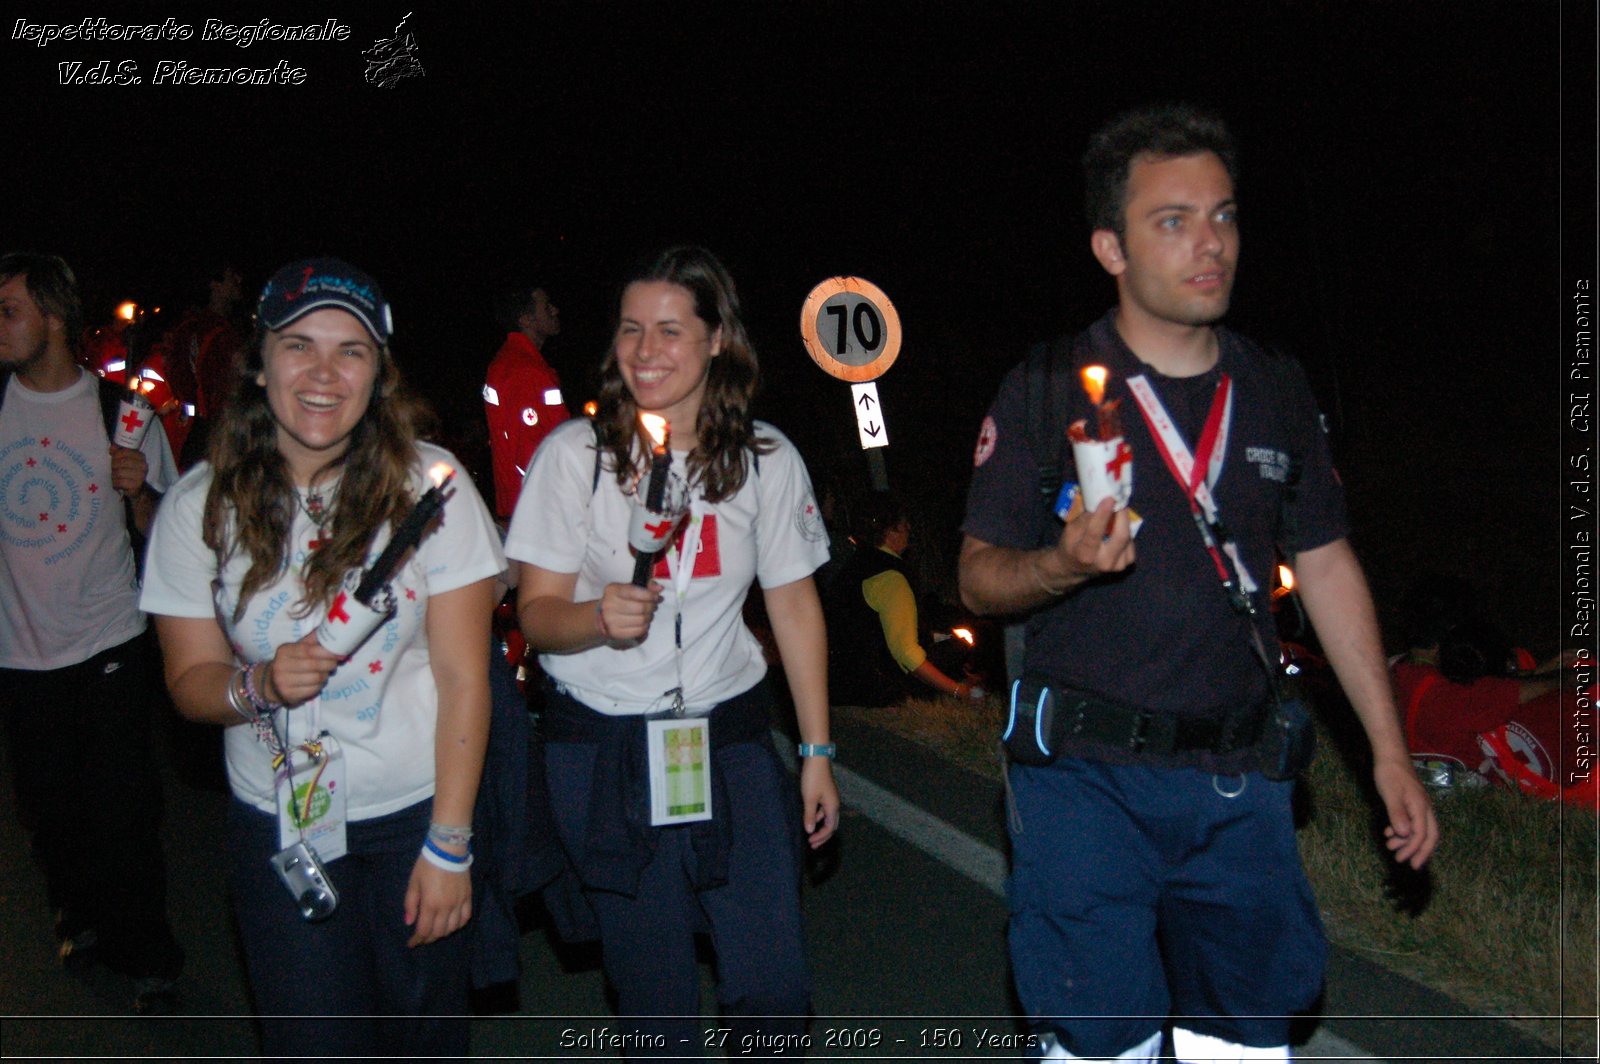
447, 835
237, 700
443, 859
253, 692
600, 621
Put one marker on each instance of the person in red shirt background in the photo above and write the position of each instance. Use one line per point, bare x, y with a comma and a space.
522, 395
1468, 705
205, 351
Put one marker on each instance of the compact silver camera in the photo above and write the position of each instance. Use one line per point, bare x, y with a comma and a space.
308, 884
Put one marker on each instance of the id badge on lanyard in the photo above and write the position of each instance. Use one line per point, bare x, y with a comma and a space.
680, 747
310, 787
680, 770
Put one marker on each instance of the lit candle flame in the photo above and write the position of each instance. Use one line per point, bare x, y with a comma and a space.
439, 473
126, 310
1286, 577
965, 635
656, 426
1094, 382
591, 408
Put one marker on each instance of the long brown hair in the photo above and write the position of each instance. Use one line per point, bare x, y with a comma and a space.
250, 508
725, 431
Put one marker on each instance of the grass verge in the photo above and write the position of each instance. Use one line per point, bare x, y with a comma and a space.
1504, 919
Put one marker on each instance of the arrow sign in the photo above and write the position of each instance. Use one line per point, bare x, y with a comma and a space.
869, 421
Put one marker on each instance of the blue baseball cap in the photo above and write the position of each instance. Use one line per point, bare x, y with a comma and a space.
316, 284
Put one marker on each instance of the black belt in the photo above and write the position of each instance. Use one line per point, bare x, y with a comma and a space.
1087, 716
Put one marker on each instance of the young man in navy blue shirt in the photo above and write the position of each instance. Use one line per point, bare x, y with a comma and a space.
1155, 873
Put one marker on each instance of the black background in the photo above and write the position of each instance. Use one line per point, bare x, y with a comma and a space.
1411, 186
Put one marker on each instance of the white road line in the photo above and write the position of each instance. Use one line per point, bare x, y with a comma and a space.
986, 866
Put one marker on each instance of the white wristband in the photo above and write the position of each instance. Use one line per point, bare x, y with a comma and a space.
440, 859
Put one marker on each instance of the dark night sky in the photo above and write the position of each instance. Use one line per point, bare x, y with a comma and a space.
1401, 165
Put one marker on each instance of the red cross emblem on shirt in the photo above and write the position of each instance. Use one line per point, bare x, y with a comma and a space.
131, 420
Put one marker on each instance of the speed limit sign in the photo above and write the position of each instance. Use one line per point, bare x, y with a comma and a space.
850, 329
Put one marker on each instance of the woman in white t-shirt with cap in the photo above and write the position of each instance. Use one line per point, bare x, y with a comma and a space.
671, 829
364, 758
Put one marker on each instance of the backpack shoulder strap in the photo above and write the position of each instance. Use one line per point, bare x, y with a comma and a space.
1045, 396
1287, 379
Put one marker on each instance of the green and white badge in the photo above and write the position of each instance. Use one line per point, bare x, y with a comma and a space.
680, 770
311, 797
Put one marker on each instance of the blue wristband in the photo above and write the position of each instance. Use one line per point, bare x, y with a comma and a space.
432, 848
826, 750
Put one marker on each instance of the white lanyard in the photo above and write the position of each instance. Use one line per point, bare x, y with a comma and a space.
1181, 463
680, 565
1177, 452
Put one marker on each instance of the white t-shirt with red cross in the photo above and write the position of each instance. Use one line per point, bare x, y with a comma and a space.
381, 704
67, 583
771, 530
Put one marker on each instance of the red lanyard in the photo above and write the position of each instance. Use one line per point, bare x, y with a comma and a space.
1197, 473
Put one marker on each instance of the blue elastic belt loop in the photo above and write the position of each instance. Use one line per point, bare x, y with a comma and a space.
1038, 722
1011, 724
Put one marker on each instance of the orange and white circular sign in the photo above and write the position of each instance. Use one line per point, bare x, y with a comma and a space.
851, 329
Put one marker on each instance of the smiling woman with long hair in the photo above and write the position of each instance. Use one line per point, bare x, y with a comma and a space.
369, 757
657, 858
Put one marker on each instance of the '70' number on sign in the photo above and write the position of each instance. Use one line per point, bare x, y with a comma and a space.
857, 318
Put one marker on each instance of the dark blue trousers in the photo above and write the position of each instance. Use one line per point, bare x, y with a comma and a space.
88, 790
647, 940
1141, 892
349, 985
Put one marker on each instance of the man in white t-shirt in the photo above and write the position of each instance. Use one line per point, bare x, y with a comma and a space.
74, 660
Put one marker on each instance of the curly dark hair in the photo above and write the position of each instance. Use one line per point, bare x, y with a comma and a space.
725, 430
251, 505
1163, 131
51, 285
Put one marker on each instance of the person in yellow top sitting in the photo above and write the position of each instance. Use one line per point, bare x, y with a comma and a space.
874, 640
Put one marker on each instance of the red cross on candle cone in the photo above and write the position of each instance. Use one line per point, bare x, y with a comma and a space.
337, 612
1123, 456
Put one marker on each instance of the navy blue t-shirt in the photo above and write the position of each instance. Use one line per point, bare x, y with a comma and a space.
1163, 635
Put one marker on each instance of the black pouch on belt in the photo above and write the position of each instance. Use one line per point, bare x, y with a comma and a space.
1032, 735
1289, 741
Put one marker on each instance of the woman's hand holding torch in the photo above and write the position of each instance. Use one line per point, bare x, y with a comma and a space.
366, 601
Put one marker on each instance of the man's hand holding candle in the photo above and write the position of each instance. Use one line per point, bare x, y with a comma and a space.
1093, 543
